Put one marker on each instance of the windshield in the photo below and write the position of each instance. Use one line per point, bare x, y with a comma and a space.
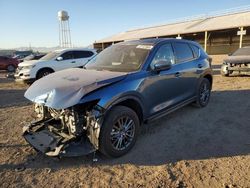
242, 51
120, 58
50, 56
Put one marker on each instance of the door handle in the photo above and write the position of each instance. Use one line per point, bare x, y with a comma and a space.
200, 66
72, 61
178, 74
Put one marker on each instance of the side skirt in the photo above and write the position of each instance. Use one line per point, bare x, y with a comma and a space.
170, 110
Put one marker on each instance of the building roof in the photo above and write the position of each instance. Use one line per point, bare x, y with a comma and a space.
207, 23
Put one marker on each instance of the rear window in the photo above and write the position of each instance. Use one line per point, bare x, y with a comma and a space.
82, 54
196, 50
182, 52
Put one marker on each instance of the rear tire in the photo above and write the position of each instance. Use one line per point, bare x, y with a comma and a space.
43, 72
119, 131
10, 68
203, 93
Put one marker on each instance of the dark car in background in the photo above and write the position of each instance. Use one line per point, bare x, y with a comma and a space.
20, 54
8, 63
102, 106
238, 62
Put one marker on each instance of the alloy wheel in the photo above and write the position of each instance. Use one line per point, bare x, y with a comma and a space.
123, 132
204, 93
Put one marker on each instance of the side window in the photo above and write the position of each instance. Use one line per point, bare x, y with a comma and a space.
164, 53
67, 55
182, 52
196, 51
82, 54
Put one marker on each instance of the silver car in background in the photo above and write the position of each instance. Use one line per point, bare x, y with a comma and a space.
238, 62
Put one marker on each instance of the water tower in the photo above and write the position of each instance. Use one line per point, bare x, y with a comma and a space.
64, 30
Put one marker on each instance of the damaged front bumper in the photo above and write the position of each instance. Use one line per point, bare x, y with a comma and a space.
54, 145
45, 136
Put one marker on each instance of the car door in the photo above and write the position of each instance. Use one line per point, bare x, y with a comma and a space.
5, 62
82, 56
186, 69
2, 64
67, 61
162, 89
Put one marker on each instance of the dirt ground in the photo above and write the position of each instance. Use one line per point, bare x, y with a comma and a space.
191, 147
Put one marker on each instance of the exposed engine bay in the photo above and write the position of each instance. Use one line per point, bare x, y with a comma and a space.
68, 132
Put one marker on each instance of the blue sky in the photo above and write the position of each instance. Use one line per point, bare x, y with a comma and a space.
35, 22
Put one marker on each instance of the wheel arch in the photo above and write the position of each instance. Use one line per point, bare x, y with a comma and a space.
131, 102
44, 68
210, 78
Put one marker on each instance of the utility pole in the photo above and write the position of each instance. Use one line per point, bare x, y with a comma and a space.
241, 32
205, 42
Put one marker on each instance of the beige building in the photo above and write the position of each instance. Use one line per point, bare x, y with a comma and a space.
219, 33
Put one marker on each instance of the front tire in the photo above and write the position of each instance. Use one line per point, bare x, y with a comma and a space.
43, 72
119, 131
203, 93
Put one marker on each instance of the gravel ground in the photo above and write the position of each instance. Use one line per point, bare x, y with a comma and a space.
191, 147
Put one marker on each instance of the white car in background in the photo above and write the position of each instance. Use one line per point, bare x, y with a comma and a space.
29, 71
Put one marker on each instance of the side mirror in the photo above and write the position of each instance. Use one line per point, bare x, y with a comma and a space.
59, 58
162, 65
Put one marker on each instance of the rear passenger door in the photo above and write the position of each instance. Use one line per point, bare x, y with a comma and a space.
82, 57
186, 69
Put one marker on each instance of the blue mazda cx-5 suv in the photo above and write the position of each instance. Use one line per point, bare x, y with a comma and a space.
102, 105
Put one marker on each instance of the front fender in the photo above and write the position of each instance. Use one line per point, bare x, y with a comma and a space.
113, 94
107, 98
123, 97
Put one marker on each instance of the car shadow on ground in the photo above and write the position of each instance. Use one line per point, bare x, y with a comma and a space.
219, 130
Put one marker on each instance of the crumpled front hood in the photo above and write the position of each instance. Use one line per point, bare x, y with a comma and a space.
238, 59
65, 88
